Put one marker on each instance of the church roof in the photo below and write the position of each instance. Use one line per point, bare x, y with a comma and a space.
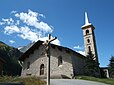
39, 43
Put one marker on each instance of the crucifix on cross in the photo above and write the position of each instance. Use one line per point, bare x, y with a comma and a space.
47, 44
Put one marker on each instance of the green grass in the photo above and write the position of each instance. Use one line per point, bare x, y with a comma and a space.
26, 81
102, 80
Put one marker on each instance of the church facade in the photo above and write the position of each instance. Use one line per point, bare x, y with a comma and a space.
63, 61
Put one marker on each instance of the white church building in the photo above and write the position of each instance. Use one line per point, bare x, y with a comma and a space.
64, 62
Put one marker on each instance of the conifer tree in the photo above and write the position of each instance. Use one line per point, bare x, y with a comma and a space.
91, 67
111, 67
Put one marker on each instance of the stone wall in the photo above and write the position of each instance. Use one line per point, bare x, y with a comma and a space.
38, 57
78, 64
66, 67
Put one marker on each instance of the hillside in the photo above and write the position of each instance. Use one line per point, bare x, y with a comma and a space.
25, 48
10, 55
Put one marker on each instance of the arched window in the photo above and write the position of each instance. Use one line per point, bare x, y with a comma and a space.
87, 32
42, 69
60, 61
28, 65
89, 48
88, 40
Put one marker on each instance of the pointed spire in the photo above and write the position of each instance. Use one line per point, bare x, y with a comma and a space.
86, 20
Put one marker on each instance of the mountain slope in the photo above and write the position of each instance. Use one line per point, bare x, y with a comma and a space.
10, 55
25, 48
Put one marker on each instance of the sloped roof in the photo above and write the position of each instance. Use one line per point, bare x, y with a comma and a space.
38, 44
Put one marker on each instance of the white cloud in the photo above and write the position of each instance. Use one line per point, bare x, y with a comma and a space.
42, 15
9, 21
57, 42
2, 23
32, 19
11, 29
17, 22
11, 41
81, 52
13, 12
78, 47
26, 33
23, 32
27, 25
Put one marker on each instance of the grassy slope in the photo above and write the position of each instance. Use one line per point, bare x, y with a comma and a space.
10, 55
26, 81
102, 80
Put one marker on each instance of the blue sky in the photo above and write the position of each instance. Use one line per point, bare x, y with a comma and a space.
25, 21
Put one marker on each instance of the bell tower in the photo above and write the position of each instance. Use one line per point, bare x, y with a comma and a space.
89, 38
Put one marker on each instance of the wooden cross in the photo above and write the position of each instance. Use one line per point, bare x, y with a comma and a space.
47, 44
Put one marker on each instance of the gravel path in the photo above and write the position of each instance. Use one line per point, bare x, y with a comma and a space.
74, 82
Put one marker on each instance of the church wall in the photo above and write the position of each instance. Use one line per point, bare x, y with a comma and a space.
78, 64
38, 57
66, 67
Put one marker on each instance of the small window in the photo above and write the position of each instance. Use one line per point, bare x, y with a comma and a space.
28, 65
87, 32
88, 40
89, 48
42, 69
60, 60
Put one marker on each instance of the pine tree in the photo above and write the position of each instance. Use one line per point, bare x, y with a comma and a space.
91, 67
111, 67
